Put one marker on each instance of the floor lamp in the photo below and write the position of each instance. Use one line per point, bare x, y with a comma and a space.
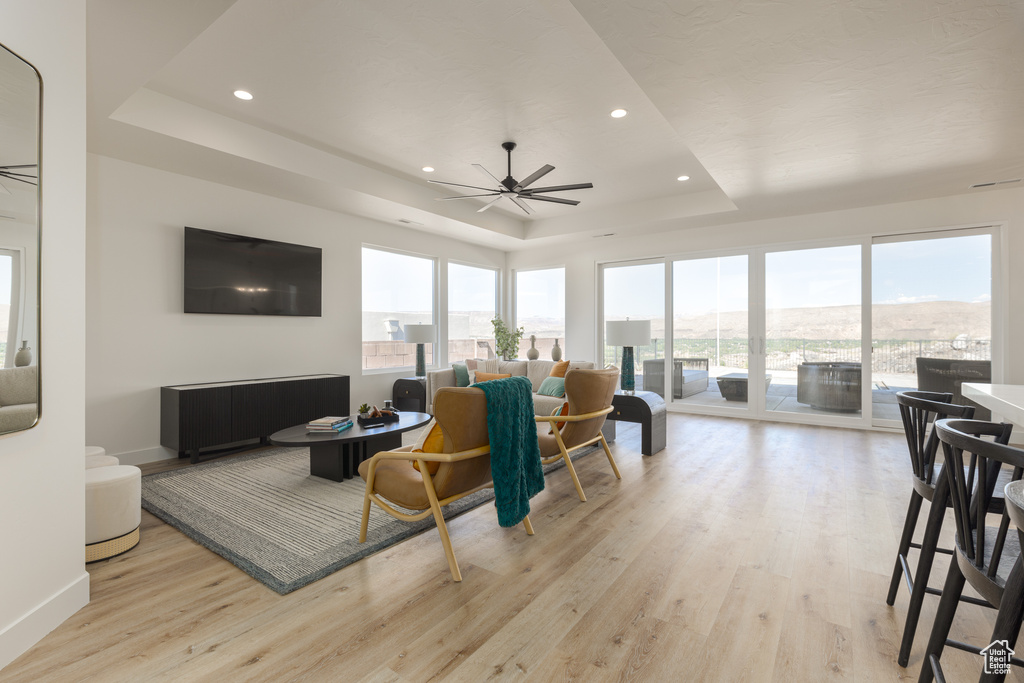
627, 334
420, 335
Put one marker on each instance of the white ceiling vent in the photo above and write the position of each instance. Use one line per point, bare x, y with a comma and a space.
997, 182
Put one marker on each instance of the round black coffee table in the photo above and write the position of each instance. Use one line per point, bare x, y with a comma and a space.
337, 456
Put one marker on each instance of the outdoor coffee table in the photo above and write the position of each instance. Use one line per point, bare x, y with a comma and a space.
733, 386
337, 456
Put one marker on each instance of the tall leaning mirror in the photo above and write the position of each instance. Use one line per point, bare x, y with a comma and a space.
20, 106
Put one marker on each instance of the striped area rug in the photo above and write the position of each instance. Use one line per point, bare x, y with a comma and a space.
266, 514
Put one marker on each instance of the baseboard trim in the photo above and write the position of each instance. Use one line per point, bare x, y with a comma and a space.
17, 638
146, 455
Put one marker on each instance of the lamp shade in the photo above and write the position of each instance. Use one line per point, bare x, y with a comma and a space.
419, 334
627, 332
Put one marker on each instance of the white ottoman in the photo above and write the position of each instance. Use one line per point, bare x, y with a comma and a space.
92, 461
113, 510
95, 450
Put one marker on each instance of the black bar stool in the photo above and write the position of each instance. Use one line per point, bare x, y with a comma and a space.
986, 557
919, 409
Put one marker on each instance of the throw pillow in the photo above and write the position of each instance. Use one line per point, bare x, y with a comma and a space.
471, 364
431, 441
552, 386
488, 376
559, 369
489, 366
461, 374
557, 426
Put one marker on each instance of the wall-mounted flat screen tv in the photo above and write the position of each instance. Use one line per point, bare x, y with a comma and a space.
240, 275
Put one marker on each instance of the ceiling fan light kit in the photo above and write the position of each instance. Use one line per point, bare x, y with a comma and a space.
515, 190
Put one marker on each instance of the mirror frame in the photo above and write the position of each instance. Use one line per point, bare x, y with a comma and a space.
38, 280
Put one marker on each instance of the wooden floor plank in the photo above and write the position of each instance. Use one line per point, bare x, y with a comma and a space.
744, 551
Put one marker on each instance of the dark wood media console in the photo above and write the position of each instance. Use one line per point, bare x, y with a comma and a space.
194, 417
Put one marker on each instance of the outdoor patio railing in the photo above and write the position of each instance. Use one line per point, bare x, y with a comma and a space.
892, 356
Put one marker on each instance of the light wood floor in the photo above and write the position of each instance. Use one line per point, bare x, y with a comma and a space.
746, 551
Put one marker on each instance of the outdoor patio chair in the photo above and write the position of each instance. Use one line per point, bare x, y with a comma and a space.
948, 375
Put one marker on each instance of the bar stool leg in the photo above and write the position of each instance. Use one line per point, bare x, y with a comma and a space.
1011, 610
951, 593
913, 511
926, 557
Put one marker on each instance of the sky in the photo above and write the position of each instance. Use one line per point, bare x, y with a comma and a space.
942, 269
945, 269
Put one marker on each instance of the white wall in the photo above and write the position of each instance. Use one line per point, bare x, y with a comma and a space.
980, 208
138, 339
42, 490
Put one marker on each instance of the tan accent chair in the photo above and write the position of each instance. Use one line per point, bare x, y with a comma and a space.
465, 468
589, 393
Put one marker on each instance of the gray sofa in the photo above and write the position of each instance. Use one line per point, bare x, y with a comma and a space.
535, 370
18, 397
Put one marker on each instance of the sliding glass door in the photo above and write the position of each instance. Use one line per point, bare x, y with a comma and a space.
636, 291
825, 334
931, 316
710, 332
812, 347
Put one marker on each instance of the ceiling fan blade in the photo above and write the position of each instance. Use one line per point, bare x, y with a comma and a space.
489, 204
487, 173
521, 204
474, 187
20, 177
556, 200
466, 196
558, 188
535, 176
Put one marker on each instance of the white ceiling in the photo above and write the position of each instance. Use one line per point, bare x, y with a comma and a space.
772, 108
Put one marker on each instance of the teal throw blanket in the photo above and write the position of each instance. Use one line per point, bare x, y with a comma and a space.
515, 453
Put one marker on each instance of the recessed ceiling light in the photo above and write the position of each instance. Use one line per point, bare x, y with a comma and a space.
682, 178
618, 113
243, 94
428, 169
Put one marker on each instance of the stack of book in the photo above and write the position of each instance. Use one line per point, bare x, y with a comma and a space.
328, 424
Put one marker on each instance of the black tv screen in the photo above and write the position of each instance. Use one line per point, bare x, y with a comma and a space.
241, 275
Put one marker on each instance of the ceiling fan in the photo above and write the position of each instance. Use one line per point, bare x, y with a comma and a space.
18, 173
516, 190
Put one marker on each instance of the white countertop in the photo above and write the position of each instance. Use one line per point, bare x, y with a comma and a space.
1004, 400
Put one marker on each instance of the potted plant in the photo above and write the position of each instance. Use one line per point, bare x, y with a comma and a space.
506, 341
364, 411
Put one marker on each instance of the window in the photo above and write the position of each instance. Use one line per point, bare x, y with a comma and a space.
931, 319
472, 298
636, 292
398, 289
10, 304
540, 308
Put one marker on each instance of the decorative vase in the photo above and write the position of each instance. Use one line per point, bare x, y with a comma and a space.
556, 352
24, 355
533, 353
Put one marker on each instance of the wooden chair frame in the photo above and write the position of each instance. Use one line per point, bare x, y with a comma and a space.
564, 454
406, 453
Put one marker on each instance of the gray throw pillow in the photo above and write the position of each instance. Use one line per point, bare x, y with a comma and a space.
461, 374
